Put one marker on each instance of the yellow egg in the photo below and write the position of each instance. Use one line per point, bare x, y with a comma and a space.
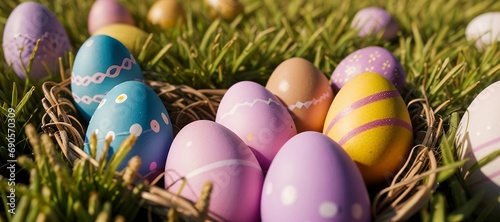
370, 120
132, 37
166, 13
227, 9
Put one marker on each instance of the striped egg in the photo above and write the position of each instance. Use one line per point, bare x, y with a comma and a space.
478, 136
206, 151
369, 119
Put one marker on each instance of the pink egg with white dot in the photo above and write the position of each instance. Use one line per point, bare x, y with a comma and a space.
205, 151
313, 179
478, 136
132, 107
370, 59
258, 117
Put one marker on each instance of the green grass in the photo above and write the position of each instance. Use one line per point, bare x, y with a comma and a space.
208, 53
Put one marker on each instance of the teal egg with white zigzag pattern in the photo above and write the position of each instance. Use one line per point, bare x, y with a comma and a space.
101, 63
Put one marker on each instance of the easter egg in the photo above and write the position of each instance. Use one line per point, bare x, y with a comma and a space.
27, 23
130, 36
370, 59
478, 135
258, 117
369, 119
313, 179
374, 20
305, 90
166, 13
226, 9
101, 63
206, 151
484, 29
106, 12
133, 108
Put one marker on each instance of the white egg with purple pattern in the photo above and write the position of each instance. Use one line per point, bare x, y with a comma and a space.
101, 63
133, 108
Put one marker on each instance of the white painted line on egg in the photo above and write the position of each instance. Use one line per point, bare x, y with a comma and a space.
250, 104
222, 163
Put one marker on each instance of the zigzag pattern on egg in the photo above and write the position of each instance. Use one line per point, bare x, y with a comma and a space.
87, 99
112, 72
249, 104
313, 101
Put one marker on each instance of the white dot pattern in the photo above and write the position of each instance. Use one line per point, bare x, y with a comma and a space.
165, 118
136, 129
269, 188
288, 195
328, 209
110, 134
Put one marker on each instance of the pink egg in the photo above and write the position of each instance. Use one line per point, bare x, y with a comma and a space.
258, 117
207, 151
479, 135
373, 20
106, 12
313, 179
370, 59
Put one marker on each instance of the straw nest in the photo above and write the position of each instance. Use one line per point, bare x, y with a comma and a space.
409, 190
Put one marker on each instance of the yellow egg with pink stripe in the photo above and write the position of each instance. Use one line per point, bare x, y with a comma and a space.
370, 120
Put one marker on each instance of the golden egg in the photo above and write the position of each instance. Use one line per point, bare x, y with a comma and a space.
227, 9
166, 13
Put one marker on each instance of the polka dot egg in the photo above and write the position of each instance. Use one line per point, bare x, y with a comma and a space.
370, 59
478, 136
133, 108
313, 179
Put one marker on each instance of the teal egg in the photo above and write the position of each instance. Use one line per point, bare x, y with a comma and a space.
132, 107
101, 63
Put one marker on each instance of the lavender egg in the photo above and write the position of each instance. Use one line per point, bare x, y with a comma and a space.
373, 20
27, 23
107, 12
370, 59
313, 179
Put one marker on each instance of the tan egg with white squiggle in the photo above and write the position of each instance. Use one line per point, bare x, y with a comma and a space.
305, 90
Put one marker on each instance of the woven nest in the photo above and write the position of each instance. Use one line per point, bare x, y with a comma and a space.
410, 189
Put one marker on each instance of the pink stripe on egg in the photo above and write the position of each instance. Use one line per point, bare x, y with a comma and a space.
362, 102
374, 124
486, 178
487, 144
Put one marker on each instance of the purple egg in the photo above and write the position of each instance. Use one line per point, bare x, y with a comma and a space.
370, 59
27, 23
107, 12
372, 20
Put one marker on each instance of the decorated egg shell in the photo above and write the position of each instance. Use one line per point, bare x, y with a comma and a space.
226, 9
373, 20
484, 29
305, 90
101, 63
27, 23
106, 12
258, 117
133, 108
370, 59
166, 13
206, 151
370, 120
130, 36
478, 135
313, 179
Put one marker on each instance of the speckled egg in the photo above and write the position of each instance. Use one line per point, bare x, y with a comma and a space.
133, 108
205, 151
132, 37
484, 29
305, 90
370, 120
370, 59
28, 22
313, 179
101, 63
373, 20
106, 12
478, 135
166, 13
258, 117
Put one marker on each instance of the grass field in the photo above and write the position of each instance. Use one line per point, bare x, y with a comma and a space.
207, 53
